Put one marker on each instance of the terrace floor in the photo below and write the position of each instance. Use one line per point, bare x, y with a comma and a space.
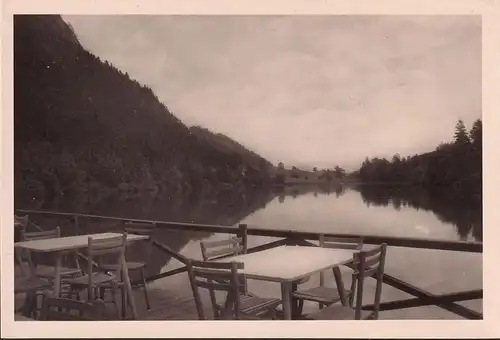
171, 299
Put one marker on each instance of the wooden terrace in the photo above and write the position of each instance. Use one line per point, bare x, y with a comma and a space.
172, 298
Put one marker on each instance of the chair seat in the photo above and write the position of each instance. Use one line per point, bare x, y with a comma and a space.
255, 304
130, 266
50, 272
321, 294
24, 285
97, 278
252, 304
338, 312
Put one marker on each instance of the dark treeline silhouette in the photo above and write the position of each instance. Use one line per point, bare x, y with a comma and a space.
455, 165
337, 189
462, 211
82, 125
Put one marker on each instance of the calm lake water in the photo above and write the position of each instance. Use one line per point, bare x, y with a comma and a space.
374, 210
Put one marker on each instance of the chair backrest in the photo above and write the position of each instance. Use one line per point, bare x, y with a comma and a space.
349, 243
368, 263
213, 249
98, 248
354, 243
236, 245
146, 229
60, 309
217, 276
32, 236
24, 220
40, 235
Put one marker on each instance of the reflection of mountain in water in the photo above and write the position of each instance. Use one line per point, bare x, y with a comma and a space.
464, 212
224, 208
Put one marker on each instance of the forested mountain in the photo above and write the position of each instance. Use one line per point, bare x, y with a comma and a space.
455, 165
231, 147
81, 124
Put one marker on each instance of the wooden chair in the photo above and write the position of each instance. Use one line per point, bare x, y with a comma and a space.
322, 294
20, 225
46, 271
140, 267
231, 247
21, 222
92, 281
224, 276
367, 263
33, 287
60, 309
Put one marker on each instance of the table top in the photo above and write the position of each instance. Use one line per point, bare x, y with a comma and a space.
290, 263
70, 242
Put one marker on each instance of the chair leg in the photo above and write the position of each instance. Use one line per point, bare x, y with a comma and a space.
114, 293
29, 302
143, 278
340, 286
124, 301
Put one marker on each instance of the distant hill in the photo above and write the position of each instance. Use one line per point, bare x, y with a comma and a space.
229, 146
81, 125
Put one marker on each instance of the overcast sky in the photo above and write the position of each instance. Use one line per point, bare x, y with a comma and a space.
305, 90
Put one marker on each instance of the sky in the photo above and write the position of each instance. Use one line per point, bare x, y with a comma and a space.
304, 90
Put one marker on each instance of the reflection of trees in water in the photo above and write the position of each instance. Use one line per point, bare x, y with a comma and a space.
303, 189
464, 212
226, 207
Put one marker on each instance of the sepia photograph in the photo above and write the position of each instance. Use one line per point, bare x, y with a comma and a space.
246, 167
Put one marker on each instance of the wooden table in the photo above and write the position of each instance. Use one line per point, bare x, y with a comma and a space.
287, 264
63, 244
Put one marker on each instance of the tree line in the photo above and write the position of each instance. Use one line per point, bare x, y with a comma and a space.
456, 164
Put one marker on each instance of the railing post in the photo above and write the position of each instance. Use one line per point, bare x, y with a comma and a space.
243, 233
321, 240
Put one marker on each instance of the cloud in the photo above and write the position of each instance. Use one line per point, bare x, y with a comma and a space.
305, 90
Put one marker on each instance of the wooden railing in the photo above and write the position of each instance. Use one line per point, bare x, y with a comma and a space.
421, 297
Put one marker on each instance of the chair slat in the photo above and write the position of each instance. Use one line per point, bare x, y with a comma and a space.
139, 231
350, 246
41, 235
341, 242
370, 272
224, 251
21, 220
216, 265
231, 241
214, 285
372, 260
371, 252
140, 228
220, 275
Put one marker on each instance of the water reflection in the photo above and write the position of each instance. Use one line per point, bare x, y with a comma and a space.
464, 212
364, 209
374, 209
223, 207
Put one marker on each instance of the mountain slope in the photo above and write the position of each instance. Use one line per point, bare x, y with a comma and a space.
81, 124
229, 146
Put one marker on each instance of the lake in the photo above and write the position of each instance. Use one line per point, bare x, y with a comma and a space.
365, 209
